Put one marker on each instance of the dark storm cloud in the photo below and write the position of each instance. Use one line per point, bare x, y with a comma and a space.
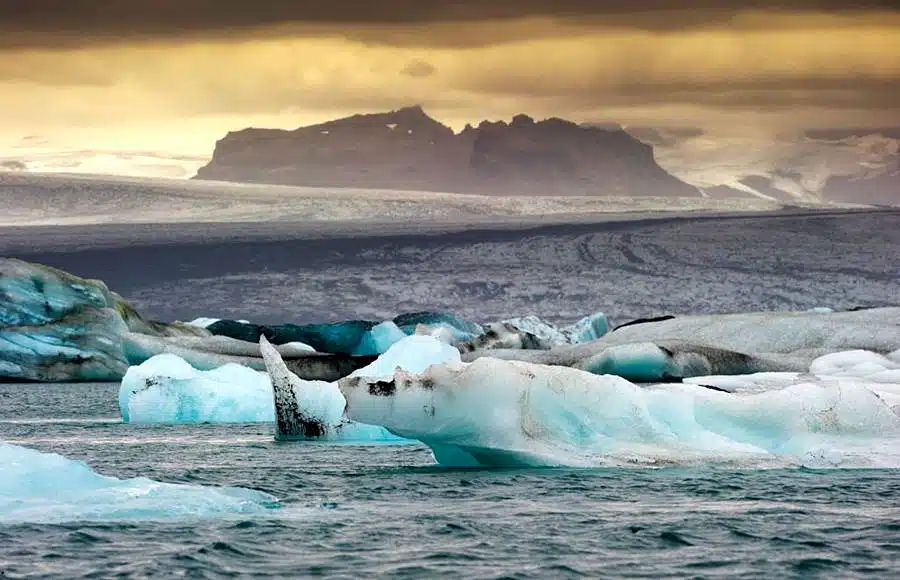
51, 23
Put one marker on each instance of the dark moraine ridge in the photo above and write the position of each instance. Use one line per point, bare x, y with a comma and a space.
629, 269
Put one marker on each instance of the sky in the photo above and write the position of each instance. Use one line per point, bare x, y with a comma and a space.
178, 74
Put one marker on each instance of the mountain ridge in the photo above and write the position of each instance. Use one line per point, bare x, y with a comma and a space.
406, 149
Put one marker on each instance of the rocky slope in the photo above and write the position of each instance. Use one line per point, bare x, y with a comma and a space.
408, 150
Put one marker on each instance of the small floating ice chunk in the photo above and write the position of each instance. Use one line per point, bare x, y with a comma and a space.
48, 488
587, 329
166, 389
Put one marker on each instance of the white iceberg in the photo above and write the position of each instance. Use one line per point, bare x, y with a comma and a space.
48, 488
510, 413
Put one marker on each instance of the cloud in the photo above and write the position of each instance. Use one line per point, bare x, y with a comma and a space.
417, 68
54, 23
775, 69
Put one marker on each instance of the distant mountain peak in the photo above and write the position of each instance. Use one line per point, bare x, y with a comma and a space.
407, 149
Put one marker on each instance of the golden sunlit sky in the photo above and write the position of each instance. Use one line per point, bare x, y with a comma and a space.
181, 73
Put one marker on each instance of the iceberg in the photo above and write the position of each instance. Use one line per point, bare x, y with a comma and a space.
460, 329
545, 331
503, 336
379, 339
413, 354
55, 326
83, 345
675, 348
166, 389
510, 413
819, 333
48, 488
314, 410
588, 328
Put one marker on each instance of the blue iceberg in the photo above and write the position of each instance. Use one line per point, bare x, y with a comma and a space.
55, 326
166, 389
48, 488
460, 328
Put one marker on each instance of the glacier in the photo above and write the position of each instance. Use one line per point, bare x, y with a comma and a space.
315, 410
38, 487
494, 413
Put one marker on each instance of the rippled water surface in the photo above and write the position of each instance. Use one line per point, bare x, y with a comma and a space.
386, 510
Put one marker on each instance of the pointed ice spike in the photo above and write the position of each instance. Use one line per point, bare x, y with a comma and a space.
290, 422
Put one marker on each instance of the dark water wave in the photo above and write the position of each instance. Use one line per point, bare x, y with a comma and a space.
388, 511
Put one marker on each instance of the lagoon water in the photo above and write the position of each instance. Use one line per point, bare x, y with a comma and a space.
351, 511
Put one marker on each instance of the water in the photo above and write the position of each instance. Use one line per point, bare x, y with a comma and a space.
356, 511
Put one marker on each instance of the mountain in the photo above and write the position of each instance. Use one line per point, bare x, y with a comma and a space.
876, 178
408, 150
824, 165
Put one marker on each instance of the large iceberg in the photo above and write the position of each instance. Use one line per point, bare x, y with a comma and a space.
166, 389
48, 488
315, 409
801, 333
511, 413
55, 326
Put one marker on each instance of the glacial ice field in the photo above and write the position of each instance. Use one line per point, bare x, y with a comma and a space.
72, 199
